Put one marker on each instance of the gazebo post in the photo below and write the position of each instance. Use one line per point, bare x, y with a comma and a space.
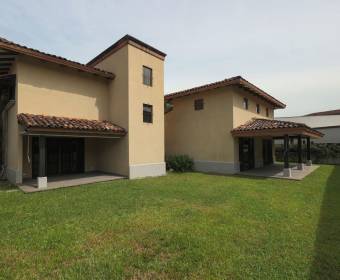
309, 160
300, 164
287, 171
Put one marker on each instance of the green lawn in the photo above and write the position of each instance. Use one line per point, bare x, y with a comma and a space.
181, 226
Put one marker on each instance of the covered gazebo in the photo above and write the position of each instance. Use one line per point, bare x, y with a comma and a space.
275, 129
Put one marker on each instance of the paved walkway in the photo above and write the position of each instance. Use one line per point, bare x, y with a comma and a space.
276, 171
64, 181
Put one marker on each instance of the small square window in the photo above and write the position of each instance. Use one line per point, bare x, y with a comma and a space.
199, 104
258, 108
267, 112
147, 76
245, 103
147, 113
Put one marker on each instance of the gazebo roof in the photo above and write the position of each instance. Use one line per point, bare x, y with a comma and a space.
274, 128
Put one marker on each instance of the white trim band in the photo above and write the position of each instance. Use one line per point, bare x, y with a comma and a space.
146, 170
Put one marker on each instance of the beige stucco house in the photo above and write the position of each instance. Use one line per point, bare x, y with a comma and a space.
228, 126
63, 117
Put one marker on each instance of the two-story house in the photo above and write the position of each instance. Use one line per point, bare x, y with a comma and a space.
228, 126
63, 117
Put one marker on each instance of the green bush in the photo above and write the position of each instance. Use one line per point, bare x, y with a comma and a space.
180, 163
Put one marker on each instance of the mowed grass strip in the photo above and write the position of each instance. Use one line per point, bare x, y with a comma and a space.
180, 226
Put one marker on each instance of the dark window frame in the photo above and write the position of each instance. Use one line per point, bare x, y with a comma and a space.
258, 108
147, 114
147, 80
199, 104
267, 112
245, 103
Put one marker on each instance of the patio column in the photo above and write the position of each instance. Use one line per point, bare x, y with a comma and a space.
287, 172
300, 164
309, 160
42, 179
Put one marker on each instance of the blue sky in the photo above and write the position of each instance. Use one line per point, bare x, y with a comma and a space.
291, 49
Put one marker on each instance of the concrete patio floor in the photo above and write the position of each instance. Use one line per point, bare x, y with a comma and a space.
64, 181
276, 171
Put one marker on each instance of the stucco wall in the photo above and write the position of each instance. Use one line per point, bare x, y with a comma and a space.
204, 135
241, 115
44, 88
14, 149
144, 144
52, 90
14, 140
146, 140
114, 154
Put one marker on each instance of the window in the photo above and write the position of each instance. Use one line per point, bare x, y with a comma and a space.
267, 112
258, 108
147, 113
147, 76
199, 104
245, 103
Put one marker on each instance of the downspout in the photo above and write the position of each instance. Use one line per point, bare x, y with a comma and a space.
4, 117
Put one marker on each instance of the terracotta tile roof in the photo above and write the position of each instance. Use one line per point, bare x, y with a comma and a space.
16, 48
326, 113
30, 121
237, 81
259, 124
256, 124
127, 39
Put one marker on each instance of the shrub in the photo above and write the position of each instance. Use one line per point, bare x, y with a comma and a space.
180, 163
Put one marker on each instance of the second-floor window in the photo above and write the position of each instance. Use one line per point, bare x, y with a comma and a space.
267, 112
199, 104
147, 113
245, 103
258, 108
147, 76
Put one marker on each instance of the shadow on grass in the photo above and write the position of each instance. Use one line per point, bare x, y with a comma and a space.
326, 263
6, 186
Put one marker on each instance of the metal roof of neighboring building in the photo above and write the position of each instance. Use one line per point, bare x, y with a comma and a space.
315, 121
325, 113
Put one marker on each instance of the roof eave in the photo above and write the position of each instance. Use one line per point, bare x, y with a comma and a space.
276, 132
62, 62
237, 81
127, 39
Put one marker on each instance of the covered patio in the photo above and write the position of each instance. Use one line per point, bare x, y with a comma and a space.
276, 171
273, 129
62, 152
70, 180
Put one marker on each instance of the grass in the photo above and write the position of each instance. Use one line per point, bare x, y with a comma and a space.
5, 186
181, 226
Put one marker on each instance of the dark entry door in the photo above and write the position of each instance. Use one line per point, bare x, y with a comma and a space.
267, 151
246, 153
63, 156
